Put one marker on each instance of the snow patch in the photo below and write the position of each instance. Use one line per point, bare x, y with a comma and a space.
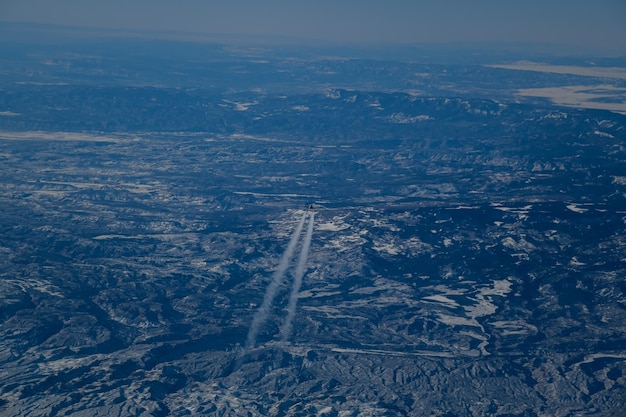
387, 248
576, 209
401, 118
604, 134
442, 299
619, 180
331, 227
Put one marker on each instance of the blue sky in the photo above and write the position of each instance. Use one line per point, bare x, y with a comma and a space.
597, 24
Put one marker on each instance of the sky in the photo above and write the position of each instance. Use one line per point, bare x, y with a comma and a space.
595, 25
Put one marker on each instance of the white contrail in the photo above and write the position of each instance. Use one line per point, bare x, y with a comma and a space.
261, 315
297, 281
